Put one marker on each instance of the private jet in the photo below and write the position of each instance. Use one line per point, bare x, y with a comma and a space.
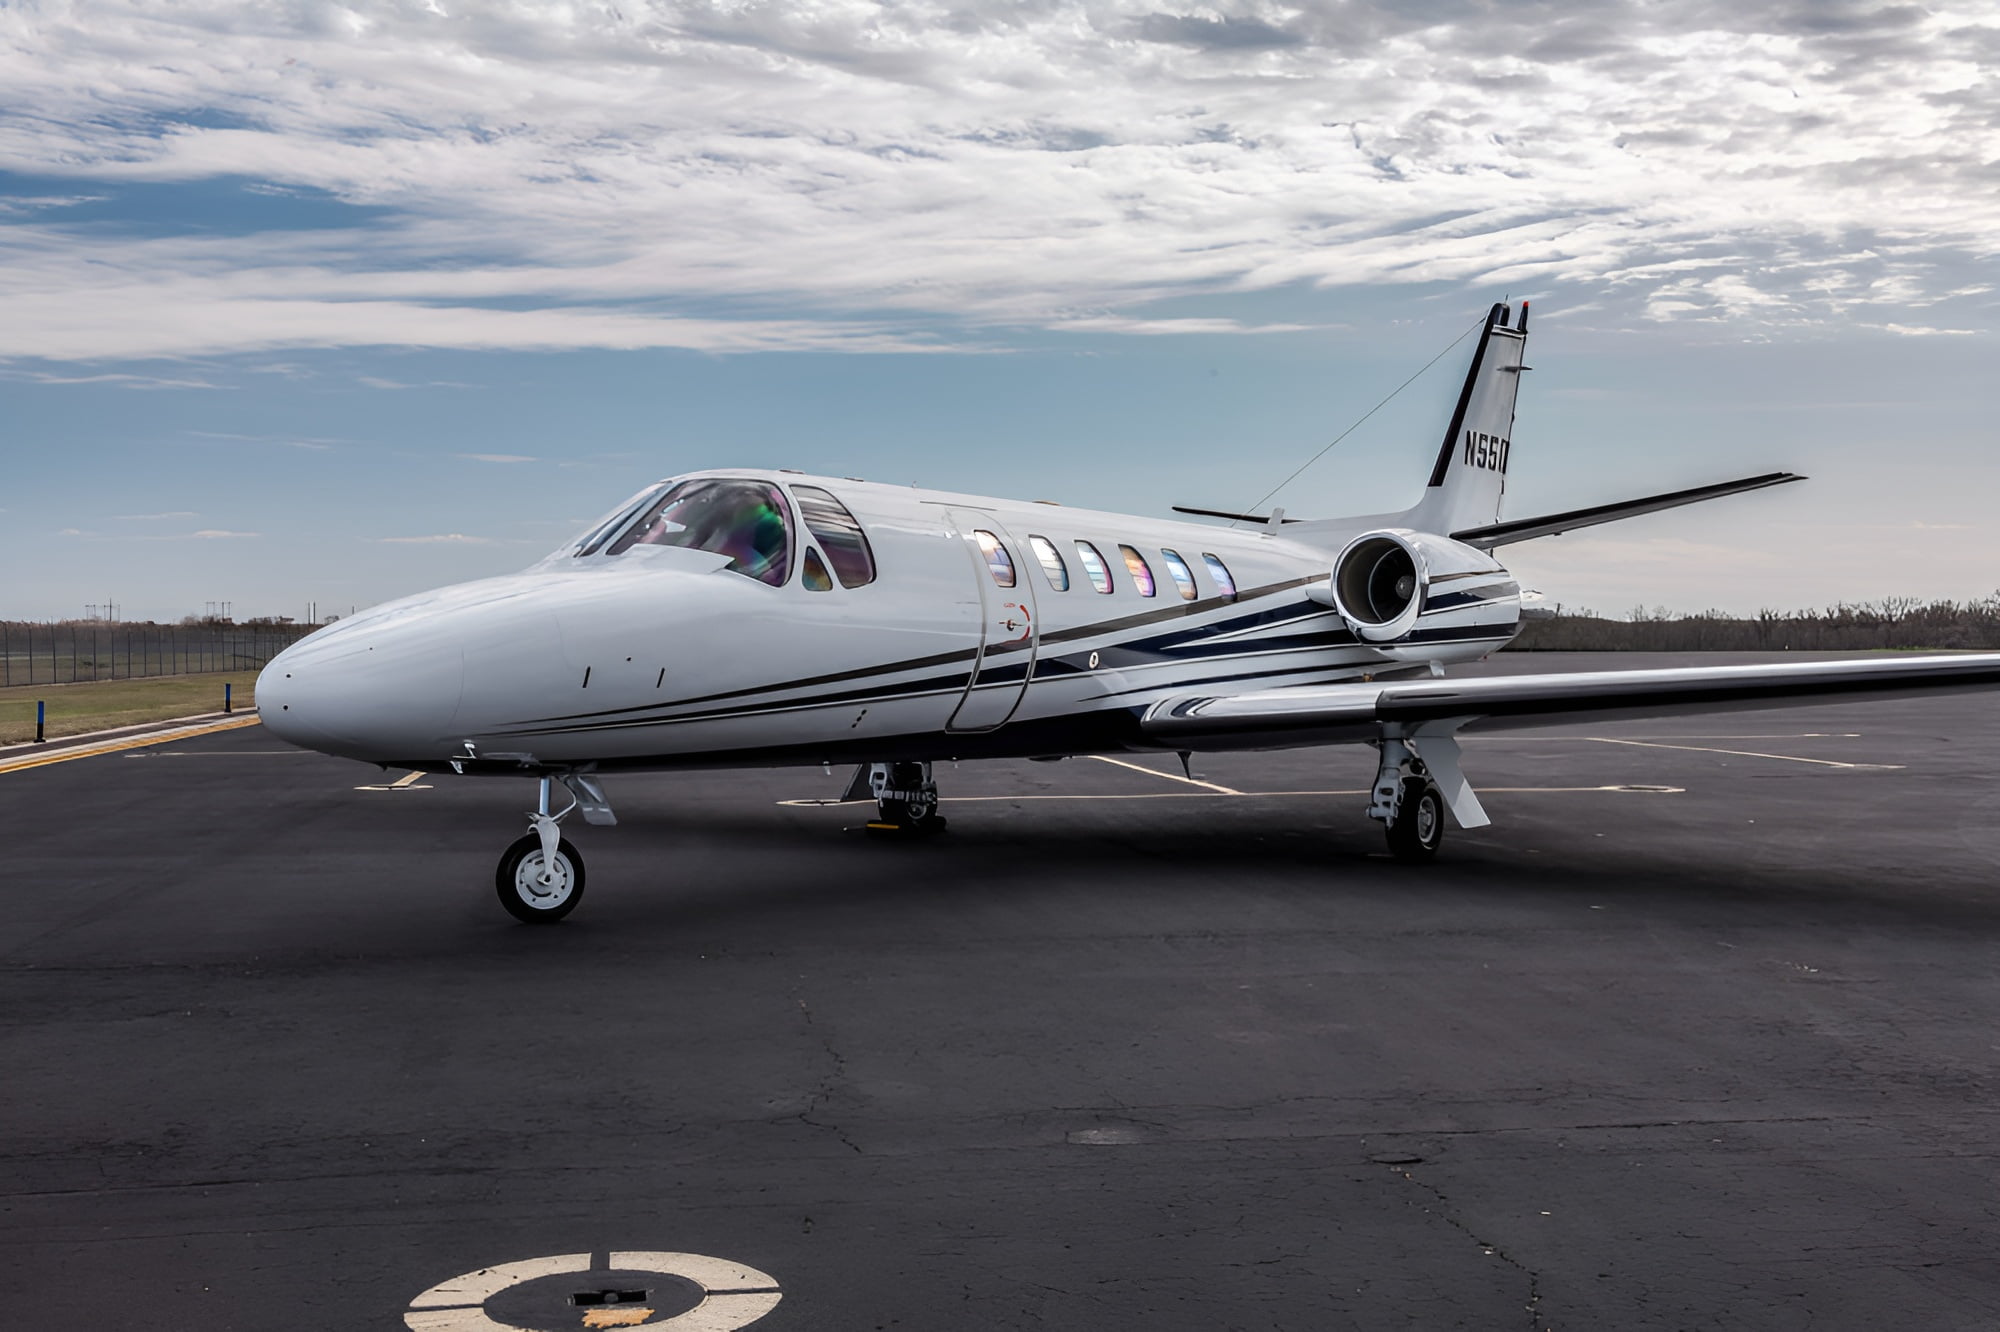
752, 618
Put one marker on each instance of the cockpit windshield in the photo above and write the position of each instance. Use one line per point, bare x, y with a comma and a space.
600, 531
746, 520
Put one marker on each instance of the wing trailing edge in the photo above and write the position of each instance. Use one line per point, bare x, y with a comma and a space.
1553, 524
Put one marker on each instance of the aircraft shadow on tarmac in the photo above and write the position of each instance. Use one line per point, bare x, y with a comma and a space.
741, 869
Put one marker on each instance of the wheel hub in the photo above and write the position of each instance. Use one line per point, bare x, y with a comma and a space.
528, 881
1427, 818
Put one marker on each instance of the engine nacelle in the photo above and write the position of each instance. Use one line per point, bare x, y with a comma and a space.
1397, 588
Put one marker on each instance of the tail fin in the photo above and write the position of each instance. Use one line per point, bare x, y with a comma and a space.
1471, 471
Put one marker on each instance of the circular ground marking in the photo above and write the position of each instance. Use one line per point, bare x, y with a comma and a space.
614, 1292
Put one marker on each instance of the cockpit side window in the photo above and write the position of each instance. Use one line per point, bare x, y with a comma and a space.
813, 574
846, 545
746, 520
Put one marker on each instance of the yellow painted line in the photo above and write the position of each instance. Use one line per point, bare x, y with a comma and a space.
1744, 753
115, 746
408, 783
1155, 772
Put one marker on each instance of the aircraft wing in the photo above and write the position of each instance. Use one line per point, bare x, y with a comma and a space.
1327, 714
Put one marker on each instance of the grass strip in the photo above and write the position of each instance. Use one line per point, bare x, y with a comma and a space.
99, 705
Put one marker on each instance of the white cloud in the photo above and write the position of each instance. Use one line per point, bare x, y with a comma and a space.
219, 534
670, 174
443, 538
280, 441
128, 381
379, 382
496, 457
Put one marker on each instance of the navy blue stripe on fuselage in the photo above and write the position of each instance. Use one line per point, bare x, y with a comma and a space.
660, 710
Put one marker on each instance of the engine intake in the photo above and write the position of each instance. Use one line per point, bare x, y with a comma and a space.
1378, 586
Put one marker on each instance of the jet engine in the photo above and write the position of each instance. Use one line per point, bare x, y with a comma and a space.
1392, 584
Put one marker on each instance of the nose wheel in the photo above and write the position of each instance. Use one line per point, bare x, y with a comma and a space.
540, 878
538, 888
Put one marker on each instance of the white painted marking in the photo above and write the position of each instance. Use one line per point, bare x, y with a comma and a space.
734, 1295
716, 1274
481, 1286
1565, 739
224, 753
1155, 772
1625, 788
1746, 753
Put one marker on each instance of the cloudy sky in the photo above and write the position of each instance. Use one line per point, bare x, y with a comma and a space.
312, 302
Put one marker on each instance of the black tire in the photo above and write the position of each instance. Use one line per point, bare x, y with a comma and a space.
1419, 826
906, 813
518, 882
913, 815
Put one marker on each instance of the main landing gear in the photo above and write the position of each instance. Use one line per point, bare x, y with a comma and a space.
1418, 780
906, 800
540, 877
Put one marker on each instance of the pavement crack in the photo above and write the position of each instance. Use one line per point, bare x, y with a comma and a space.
828, 1085
1445, 1213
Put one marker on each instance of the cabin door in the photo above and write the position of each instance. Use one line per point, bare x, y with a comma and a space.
999, 565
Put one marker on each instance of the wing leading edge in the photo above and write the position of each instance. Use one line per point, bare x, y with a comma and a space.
1329, 714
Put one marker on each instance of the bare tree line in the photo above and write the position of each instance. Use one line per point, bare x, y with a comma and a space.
1897, 623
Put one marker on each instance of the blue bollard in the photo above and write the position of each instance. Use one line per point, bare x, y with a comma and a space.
227, 707
41, 718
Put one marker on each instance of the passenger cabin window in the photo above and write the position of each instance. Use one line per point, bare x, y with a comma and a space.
1051, 561
1093, 564
1220, 573
1183, 576
1142, 573
998, 562
745, 520
813, 573
845, 543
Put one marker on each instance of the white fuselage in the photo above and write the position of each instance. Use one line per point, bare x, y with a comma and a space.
661, 657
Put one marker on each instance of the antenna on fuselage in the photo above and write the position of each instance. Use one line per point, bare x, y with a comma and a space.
1250, 515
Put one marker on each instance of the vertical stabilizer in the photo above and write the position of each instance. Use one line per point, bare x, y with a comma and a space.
1471, 471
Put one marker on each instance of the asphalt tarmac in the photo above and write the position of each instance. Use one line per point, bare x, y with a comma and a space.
1701, 1033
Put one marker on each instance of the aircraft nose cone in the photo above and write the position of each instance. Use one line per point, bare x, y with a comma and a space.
364, 695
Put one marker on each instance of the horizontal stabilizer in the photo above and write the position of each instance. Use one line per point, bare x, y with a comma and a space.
1527, 529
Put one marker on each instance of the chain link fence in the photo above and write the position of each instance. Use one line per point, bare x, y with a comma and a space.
68, 653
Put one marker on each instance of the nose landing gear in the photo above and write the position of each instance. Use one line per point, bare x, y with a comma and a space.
537, 887
540, 876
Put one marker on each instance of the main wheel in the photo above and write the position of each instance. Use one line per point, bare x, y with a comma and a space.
1419, 824
914, 815
522, 891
